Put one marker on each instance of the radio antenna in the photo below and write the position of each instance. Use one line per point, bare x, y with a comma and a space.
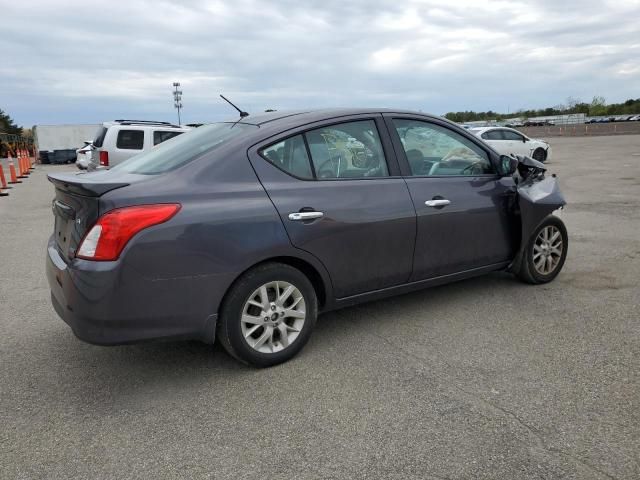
242, 114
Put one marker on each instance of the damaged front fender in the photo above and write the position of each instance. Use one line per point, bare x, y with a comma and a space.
537, 199
538, 196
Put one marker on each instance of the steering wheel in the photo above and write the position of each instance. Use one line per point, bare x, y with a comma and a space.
331, 171
471, 168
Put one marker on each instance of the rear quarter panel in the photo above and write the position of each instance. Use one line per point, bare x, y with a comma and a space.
227, 224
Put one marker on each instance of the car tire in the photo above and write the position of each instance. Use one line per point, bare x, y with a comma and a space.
540, 154
265, 333
550, 240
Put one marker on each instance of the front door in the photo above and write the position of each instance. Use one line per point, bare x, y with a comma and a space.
461, 203
517, 142
341, 198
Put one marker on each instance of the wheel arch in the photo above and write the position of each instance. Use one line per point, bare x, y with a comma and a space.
316, 274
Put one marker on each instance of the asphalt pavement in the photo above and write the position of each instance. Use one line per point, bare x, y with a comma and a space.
485, 378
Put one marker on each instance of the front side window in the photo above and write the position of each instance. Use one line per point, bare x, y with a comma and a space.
493, 135
163, 136
347, 150
130, 139
433, 150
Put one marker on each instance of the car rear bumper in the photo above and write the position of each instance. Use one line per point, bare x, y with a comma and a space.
105, 303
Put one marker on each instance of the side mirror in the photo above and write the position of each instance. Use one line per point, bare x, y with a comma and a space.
524, 139
508, 165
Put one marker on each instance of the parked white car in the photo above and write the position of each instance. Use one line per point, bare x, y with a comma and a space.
83, 155
508, 141
120, 140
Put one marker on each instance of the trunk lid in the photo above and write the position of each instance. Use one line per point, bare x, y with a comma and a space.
76, 206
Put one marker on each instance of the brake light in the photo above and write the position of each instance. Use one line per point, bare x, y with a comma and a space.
113, 230
104, 158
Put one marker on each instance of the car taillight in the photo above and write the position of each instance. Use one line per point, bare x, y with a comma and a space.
114, 229
104, 158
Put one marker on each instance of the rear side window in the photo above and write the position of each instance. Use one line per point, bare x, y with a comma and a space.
291, 156
160, 136
130, 139
345, 150
99, 139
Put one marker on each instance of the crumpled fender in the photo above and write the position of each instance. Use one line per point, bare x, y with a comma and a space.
537, 198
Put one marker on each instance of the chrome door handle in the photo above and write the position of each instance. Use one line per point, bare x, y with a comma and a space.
300, 216
437, 203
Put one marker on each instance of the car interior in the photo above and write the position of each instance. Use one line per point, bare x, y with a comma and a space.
433, 151
348, 150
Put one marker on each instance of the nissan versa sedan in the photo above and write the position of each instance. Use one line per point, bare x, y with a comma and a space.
244, 231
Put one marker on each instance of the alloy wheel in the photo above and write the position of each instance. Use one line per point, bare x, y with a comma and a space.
273, 317
547, 250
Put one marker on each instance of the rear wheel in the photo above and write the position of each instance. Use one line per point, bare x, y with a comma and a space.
545, 253
268, 315
540, 154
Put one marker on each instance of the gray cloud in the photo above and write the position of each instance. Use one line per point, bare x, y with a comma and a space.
87, 61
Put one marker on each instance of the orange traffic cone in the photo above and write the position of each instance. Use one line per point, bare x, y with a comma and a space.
20, 166
24, 171
3, 183
27, 162
12, 172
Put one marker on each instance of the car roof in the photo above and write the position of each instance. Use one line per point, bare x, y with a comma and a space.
483, 129
497, 127
313, 115
144, 123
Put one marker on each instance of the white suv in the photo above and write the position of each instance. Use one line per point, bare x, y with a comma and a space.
120, 140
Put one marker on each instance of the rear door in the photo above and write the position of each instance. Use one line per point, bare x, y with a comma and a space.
339, 194
462, 205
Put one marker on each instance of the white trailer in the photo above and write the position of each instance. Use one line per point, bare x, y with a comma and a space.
58, 143
63, 137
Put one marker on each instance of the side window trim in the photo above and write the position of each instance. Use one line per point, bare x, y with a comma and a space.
306, 146
405, 169
386, 143
261, 154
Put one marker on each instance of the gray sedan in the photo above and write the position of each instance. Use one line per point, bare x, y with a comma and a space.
244, 231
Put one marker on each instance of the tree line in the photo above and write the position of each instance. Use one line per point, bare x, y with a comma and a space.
597, 107
7, 125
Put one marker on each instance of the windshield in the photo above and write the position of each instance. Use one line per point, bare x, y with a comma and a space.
182, 149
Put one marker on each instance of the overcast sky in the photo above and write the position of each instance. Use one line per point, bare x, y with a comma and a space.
88, 61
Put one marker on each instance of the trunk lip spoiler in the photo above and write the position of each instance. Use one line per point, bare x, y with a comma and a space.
75, 185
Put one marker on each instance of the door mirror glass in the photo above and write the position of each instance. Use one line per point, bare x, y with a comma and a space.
508, 165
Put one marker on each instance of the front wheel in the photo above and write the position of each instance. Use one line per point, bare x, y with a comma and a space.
545, 253
540, 154
268, 315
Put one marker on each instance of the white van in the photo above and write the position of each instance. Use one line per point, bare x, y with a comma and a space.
120, 140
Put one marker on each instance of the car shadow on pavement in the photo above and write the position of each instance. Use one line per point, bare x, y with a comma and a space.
127, 370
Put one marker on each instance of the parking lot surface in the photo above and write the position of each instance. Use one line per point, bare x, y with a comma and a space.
485, 378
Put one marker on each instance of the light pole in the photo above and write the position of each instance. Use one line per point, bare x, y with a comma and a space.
177, 98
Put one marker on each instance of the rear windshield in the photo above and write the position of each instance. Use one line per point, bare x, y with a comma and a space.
97, 142
182, 149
